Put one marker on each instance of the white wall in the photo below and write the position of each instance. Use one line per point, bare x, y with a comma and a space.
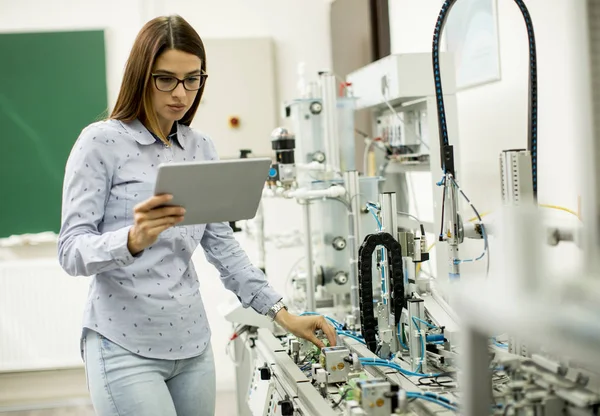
493, 117
286, 22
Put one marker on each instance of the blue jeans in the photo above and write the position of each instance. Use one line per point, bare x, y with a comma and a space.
122, 383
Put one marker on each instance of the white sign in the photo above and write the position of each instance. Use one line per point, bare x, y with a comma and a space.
472, 35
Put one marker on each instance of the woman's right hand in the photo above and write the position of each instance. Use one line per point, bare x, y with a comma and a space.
151, 218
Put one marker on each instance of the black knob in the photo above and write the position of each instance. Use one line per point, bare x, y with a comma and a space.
287, 407
265, 372
234, 227
244, 153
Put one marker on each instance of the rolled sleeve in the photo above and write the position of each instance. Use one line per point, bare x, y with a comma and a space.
265, 299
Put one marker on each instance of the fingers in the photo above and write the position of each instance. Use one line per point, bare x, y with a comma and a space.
316, 341
154, 202
330, 334
164, 212
156, 226
328, 330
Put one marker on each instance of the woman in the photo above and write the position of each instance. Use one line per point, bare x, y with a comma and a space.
145, 338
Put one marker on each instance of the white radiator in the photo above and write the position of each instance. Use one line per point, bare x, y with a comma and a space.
41, 310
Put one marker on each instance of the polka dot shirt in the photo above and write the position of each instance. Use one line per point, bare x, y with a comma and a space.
150, 303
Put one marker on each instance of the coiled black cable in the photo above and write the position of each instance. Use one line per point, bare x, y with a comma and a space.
533, 90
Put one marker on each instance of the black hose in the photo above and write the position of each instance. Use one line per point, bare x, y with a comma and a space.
533, 90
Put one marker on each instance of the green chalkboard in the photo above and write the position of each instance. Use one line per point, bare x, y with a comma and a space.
52, 85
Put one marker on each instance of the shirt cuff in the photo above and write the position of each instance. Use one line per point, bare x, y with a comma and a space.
265, 299
117, 247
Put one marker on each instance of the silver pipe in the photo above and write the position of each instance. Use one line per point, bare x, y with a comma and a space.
389, 213
352, 186
389, 217
416, 308
330, 125
588, 89
452, 237
310, 271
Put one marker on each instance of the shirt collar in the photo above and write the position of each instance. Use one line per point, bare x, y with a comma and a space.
143, 136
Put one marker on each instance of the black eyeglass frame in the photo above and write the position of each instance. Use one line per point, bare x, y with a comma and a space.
202, 76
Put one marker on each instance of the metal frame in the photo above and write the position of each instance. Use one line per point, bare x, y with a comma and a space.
569, 330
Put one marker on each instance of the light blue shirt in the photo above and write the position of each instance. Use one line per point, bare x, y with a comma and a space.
149, 303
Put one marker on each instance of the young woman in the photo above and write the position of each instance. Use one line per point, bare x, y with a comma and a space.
146, 339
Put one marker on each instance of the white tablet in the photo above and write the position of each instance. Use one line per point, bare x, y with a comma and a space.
214, 191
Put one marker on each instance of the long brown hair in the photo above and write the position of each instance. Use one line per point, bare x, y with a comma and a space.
158, 35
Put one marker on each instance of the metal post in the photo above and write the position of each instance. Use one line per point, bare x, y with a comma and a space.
310, 271
588, 88
475, 376
416, 308
452, 237
243, 374
389, 218
352, 186
330, 124
389, 223
389, 213
522, 235
516, 179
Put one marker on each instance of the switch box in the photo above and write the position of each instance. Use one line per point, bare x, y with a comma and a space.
333, 360
374, 397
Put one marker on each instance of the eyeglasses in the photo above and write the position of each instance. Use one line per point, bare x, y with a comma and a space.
168, 83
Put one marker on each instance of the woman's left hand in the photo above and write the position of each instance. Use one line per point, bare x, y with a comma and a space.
306, 326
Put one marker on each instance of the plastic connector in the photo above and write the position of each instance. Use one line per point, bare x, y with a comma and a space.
265, 372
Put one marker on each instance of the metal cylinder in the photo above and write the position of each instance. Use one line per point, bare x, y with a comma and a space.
521, 235
352, 185
389, 213
588, 91
452, 233
283, 143
389, 218
310, 271
330, 125
416, 309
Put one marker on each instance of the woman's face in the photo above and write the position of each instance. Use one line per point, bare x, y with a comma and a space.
172, 105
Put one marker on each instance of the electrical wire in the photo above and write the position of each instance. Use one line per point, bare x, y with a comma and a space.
366, 157
337, 325
414, 320
343, 396
570, 211
418, 268
533, 92
385, 363
236, 333
421, 227
442, 183
399, 335
549, 206
499, 344
425, 322
486, 249
400, 119
354, 337
406, 214
439, 400
372, 211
